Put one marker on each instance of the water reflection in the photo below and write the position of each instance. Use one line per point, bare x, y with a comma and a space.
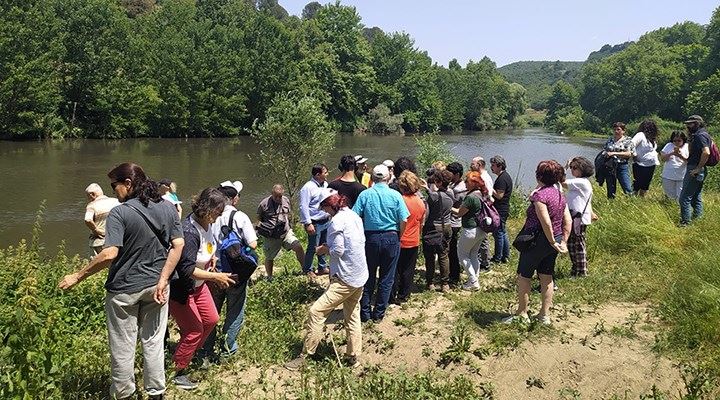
58, 172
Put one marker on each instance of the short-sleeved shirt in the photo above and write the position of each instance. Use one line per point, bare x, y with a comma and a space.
411, 235
503, 183
555, 202
272, 214
473, 203
623, 145
381, 208
579, 194
141, 256
645, 151
97, 212
351, 190
698, 141
459, 191
242, 224
675, 167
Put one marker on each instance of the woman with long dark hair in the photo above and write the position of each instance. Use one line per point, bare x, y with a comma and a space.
138, 234
548, 218
646, 157
348, 274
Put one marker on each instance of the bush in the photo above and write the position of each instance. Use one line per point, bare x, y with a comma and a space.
379, 121
431, 148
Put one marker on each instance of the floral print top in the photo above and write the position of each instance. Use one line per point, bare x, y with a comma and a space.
624, 144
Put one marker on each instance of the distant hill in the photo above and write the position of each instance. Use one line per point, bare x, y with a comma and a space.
607, 51
539, 76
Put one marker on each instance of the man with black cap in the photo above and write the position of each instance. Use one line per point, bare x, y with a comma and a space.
690, 197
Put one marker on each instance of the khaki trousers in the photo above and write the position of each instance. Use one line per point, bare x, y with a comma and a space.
338, 293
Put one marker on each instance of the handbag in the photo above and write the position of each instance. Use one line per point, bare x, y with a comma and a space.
577, 218
526, 241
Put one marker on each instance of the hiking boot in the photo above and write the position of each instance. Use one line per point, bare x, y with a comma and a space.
352, 361
445, 288
522, 318
182, 381
430, 287
296, 364
543, 319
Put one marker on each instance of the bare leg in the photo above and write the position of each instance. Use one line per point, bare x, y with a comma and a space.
299, 253
546, 291
523, 285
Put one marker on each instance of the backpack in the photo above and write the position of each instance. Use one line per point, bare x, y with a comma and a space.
236, 257
714, 155
487, 217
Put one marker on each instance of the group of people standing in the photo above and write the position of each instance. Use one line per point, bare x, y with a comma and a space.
370, 223
685, 160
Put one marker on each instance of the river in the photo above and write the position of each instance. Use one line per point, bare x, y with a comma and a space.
58, 172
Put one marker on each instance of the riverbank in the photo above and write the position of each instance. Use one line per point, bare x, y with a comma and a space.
649, 304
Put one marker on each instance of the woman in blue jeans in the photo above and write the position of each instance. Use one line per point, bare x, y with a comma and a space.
620, 149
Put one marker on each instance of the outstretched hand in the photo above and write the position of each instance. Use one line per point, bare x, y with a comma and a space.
68, 281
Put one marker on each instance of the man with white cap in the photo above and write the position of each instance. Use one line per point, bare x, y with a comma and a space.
361, 170
390, 164
96, 213
234, 295
384, 214
314, 219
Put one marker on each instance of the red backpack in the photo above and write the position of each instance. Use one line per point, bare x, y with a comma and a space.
714, 155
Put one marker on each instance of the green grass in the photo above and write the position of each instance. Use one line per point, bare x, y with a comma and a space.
54, 343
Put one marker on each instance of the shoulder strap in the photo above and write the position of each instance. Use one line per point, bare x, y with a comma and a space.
159, 237
586, 203
230, 225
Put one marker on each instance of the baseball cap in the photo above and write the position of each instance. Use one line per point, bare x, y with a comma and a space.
381, 171
325, 193
360, 159
694, 118
388, 163
237, 185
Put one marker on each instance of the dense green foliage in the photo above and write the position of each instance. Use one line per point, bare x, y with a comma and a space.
668, 73
293, 137
109, 69
538, 77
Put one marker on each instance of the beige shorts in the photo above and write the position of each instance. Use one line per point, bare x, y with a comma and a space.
271, 246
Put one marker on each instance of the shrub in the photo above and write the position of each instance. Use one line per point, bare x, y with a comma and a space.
379, 121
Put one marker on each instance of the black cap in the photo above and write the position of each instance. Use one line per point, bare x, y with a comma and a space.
165, 182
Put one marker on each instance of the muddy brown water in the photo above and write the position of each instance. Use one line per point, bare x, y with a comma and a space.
58, 172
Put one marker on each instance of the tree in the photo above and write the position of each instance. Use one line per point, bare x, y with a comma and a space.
712, 41
311, 9
380, 121
705, 99
293, 137
563, 96
30, 53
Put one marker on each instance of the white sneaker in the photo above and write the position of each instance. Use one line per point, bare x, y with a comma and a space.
523, 318
471, 286
544, 320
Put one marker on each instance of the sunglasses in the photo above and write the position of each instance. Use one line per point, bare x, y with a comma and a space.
113, 185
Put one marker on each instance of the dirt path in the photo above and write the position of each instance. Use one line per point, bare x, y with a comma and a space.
590, 354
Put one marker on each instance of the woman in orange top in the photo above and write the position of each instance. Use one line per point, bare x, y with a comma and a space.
409, 184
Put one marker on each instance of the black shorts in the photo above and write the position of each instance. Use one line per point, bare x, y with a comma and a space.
540, 258
642, 176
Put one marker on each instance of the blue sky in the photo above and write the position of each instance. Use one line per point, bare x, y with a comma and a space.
516, 30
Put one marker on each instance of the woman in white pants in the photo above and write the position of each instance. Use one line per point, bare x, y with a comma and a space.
675, 155
471, 236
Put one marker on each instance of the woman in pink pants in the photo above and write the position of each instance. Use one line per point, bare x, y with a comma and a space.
191, 303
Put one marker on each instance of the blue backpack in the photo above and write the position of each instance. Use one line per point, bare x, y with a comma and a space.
235, 256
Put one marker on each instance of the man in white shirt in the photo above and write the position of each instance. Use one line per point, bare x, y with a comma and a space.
234, 295
478, 165
314, 219
96, 212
